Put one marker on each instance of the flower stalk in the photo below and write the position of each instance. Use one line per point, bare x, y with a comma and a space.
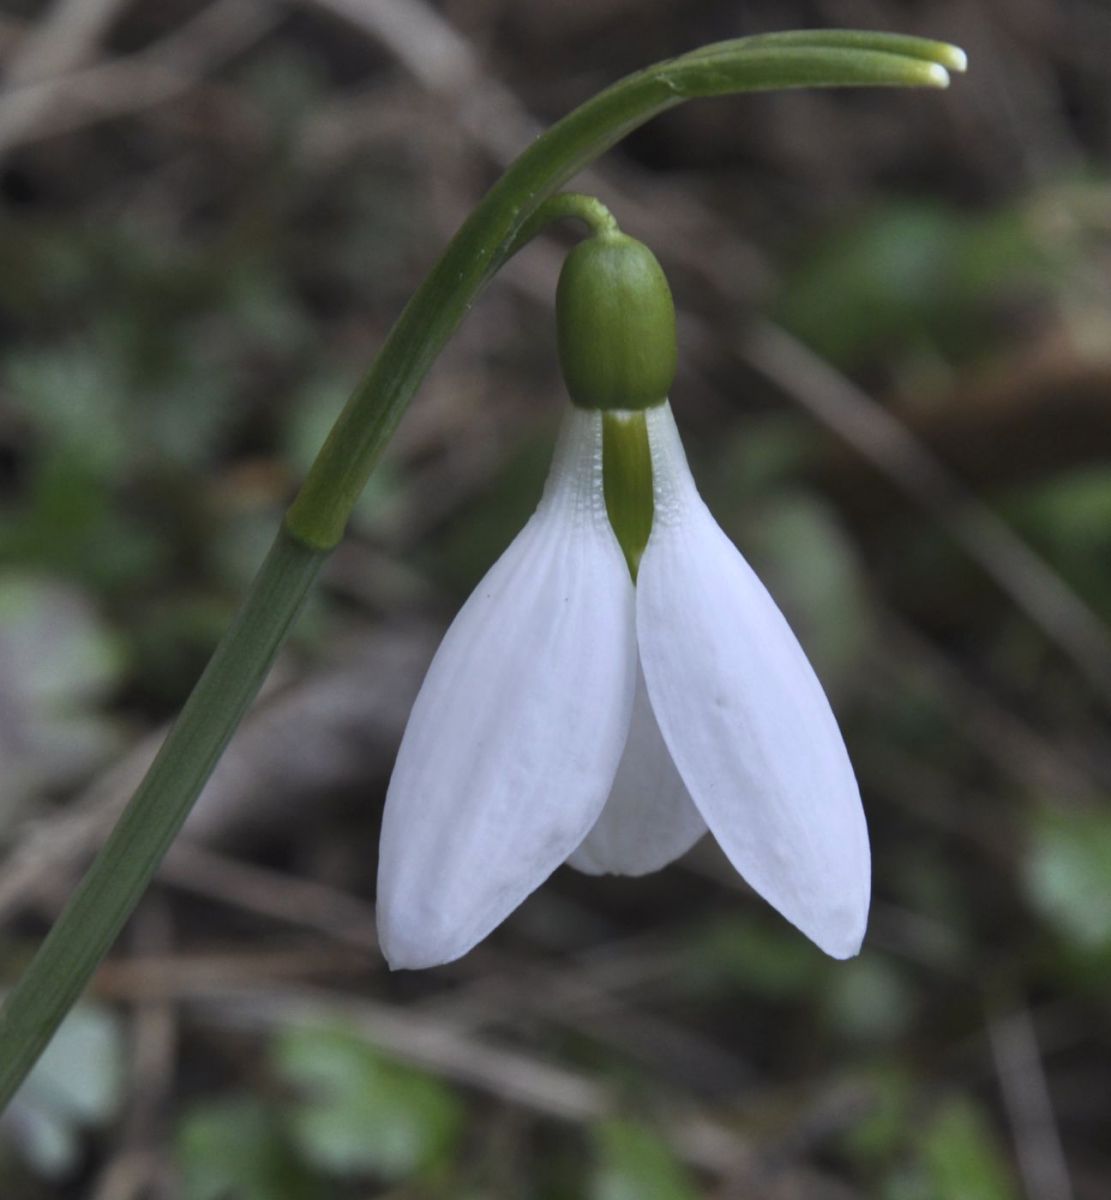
831, 58
513, 211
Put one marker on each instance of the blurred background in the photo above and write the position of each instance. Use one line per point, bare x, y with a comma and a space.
895, 327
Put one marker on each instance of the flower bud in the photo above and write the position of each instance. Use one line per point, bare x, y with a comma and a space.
616, 324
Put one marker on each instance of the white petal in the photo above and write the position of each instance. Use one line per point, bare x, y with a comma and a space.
649, 819
744, 716
515, 737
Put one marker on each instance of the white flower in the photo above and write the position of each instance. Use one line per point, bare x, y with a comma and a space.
572, 716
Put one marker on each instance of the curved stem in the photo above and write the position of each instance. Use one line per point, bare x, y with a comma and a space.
511, 212
567, 205
491, 233
121, 871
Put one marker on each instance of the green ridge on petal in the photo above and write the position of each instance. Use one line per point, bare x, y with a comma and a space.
627, 474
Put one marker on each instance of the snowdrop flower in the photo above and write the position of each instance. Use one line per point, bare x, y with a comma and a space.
620, 682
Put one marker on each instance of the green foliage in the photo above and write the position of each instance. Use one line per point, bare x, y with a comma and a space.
475, 538
237, 1150
59, 662
869, 999
1067, 870
812, 568
186, 305
797, 543
961, 1158
948, 1152
76, 1086
60, 653
634, 1163
359, 1114
912, 276
876, 281
139, 364
345, 1113
751, 956
308, 418
1068, 518
880, 1137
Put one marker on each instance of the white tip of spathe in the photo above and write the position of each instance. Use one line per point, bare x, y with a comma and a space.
955, 59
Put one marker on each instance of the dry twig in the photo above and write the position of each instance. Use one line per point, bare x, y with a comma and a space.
1027, 579
60, 104
1018, 1064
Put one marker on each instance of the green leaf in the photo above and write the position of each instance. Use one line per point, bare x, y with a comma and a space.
360, 1114
913, 277
812, 567
68, 523
882, 1131
76, 1085
1067, 871
869, 999
873, 284
236, 1150
484, 527
962, 1158
58, 661
73, 396
746, 955
1068, 518
635, 1164
58, 648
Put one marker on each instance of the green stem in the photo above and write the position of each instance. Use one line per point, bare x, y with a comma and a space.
491, 233
121, 871
511, 211
574, 205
